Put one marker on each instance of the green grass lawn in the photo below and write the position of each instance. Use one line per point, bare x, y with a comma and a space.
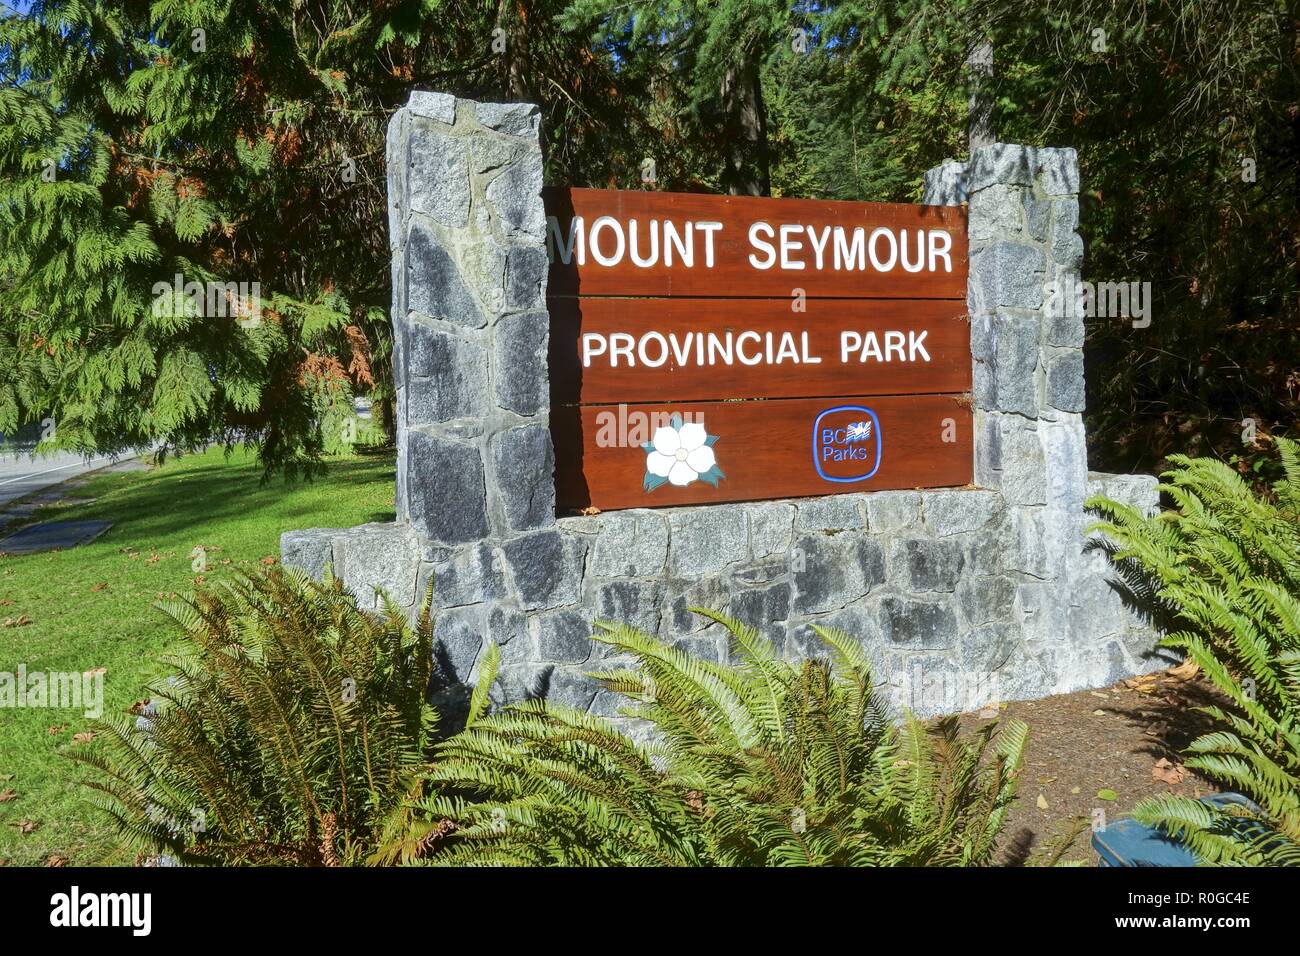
93, 607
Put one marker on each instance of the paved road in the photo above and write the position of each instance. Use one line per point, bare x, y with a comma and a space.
21, 474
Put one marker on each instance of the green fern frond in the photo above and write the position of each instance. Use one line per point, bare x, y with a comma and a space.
755, 763
292, 726
1225, 567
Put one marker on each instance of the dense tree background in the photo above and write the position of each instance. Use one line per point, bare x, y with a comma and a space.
257, 155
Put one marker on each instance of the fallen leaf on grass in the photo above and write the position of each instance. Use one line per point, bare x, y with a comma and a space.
22, 621
6, 602
56, 859
138, 706
268, 560
1166, 771
199, 579
25, 826
85, 737
57, 729
1107, 795
101, 586
6, 795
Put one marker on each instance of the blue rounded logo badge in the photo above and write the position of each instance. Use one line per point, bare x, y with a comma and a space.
846, 443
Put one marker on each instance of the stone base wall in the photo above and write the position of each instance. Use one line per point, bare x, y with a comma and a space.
929, 582
962, 597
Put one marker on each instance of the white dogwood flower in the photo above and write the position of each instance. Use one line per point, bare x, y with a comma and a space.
680, 454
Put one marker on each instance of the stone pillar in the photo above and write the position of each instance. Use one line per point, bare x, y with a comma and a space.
1028, 386
1028, 395
467, 232
1028, 372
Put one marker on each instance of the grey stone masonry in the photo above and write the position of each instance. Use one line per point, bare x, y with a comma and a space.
474, 455
961, 597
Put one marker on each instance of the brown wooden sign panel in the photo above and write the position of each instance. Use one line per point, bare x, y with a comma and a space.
610, 242
638, 456
644, 350
702, 347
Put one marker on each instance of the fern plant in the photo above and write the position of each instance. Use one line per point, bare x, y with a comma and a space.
292, 727
759, 763
1224, 569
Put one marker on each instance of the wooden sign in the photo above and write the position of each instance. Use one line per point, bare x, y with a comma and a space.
611, 350
715, 348
753, 450
608, 242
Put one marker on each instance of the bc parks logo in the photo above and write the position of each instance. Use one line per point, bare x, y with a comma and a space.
846, 443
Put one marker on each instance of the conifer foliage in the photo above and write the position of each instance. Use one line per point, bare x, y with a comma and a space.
1224, 569
757, 763
293, 726
217, 142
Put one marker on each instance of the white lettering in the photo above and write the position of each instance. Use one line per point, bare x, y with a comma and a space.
654, 244
940, 243
620, 343
685, 247
915, 345
850, 256
920, 250
788, 245
894, 343
850, 342
708, 228
590, 341
554, 243
893, 250
819, 248
663, 349
757, 243
606, 222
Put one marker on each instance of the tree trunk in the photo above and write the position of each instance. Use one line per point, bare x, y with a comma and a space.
979, 129
388, 418
516, 52
747, 172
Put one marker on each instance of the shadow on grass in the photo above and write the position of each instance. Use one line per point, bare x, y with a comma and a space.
188, 493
